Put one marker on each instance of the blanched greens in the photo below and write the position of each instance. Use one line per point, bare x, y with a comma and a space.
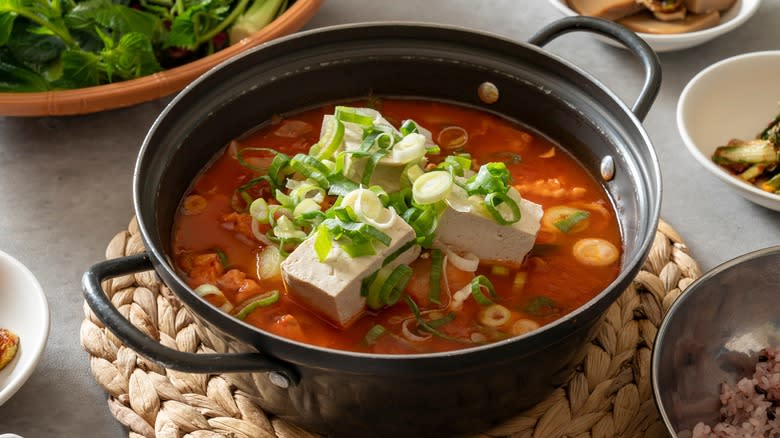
62, 44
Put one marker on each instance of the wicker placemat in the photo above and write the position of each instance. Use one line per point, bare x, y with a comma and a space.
608, 396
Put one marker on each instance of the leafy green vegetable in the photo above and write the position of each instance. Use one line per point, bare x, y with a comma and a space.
255, 18
56, 44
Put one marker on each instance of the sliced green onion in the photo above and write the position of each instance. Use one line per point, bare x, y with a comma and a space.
358, 248
306, 206
477, 283
277, 170
491, 178
371, 163
242, 161
373, 291
409, 149
381, 194
409, 126
413, 172
395, 284
436, 323
567, 223
331, 138
322, 242
424, 222
340, 185
284, 200
257, 302
369, 139
456, 164
312, 168
385, 140
223, 258
431, 187
425, 325
373, 334
495, 200
437, 267
285, 229
494, 315
258, 209
307, 190
351, 115
368, 208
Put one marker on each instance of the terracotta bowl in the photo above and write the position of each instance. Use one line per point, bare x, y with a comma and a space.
127, 93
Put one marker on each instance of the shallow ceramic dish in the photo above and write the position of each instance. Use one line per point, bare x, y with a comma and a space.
730, 20
734, 98
24, 311
144, 89
712, 334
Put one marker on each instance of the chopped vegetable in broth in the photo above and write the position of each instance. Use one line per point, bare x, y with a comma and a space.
410, 227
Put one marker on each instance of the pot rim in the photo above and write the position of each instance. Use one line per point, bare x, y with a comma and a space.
653, 168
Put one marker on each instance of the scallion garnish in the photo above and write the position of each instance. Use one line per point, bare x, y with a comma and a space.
322, 242
437, 262
351, 115
491, 178
423, 324
477, 283
373, 334
436, 323
570, 221
431, 187
409, 126
331, 139
371, 163
257, 302
493, 203
394, 286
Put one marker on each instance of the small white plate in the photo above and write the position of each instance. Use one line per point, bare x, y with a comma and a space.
730, 20
734, 98
24, 311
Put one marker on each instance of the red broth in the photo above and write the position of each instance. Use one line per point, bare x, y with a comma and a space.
212, 242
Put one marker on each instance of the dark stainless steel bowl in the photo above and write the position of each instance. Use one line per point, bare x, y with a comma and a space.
354, 394
712, 335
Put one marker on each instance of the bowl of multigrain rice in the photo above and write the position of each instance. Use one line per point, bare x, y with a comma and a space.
716, 362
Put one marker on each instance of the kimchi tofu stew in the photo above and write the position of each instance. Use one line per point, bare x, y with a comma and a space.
396, 227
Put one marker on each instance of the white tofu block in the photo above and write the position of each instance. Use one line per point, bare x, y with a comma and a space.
469, 231
332, 288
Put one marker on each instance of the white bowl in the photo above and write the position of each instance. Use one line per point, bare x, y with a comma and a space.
734, 98
730, 20
24, 311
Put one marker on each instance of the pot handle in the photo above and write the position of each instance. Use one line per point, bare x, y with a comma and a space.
619, 33
282, 374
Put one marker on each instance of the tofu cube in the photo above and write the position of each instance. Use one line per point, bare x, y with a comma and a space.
466, 230
332, 288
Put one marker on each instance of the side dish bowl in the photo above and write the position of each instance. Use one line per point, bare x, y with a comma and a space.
730, 20
734, 98
358, 394
25, 312
712, 335
135, 91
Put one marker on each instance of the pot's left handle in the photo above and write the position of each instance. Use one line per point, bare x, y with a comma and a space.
618, 33
282, 374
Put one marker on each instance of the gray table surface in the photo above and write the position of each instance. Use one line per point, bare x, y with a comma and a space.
65, 186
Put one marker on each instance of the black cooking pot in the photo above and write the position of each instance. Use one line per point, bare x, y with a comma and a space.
356, 394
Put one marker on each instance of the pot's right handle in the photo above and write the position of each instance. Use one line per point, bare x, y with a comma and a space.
619, 33
282, 374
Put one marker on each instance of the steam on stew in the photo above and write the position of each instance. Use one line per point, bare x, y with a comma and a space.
411, 227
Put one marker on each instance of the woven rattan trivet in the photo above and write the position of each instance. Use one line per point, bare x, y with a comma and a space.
608, 396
